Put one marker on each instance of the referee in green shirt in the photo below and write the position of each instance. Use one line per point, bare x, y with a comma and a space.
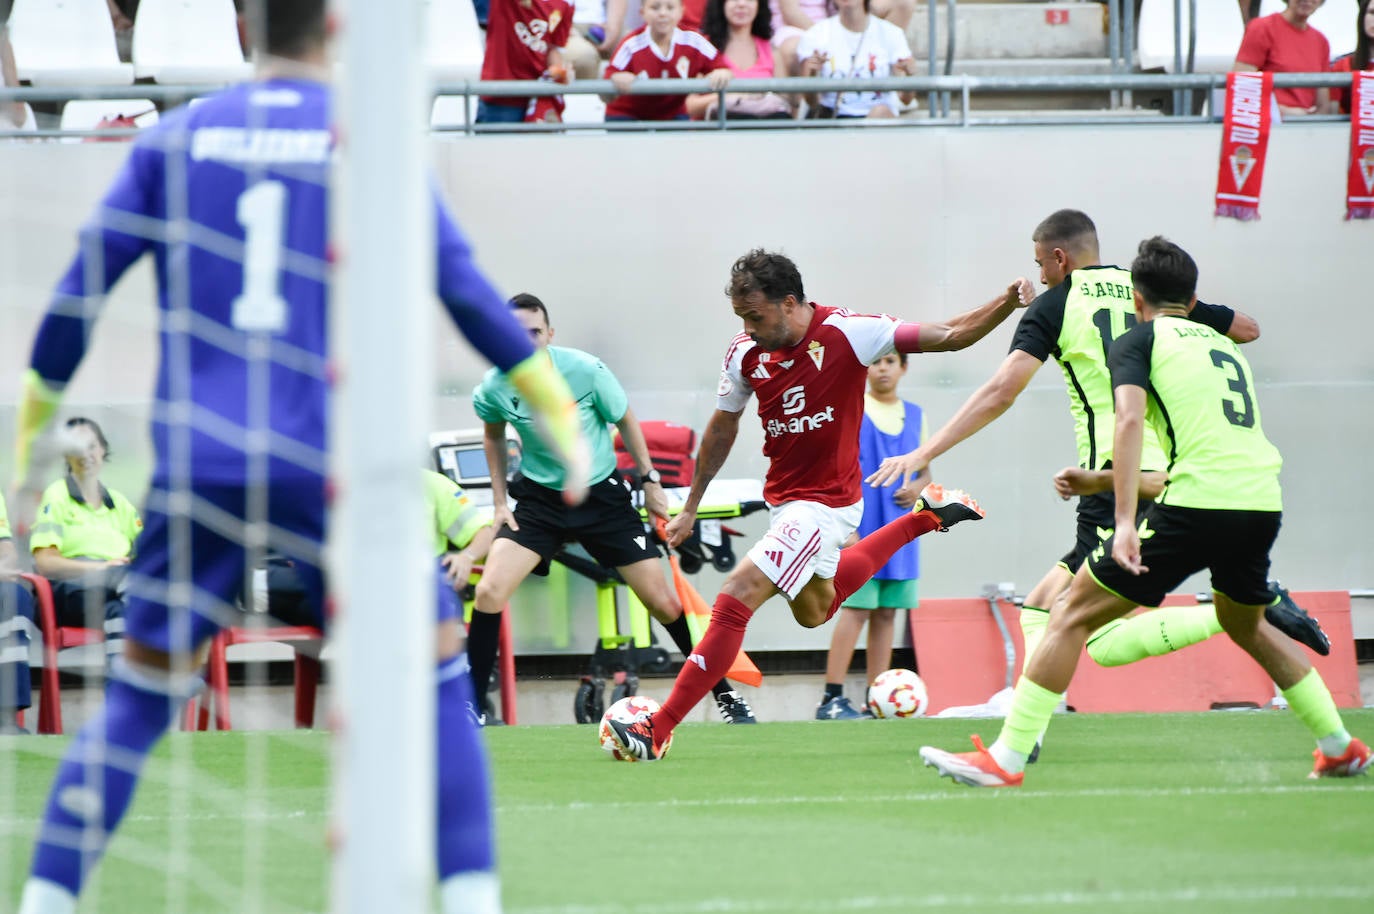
1220, 510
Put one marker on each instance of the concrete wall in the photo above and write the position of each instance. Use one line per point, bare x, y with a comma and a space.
630, 238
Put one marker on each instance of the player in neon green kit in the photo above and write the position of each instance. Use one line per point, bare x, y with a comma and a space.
1087, 306
1220, 510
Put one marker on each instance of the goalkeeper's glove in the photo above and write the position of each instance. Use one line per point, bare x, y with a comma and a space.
37, 447
556, 417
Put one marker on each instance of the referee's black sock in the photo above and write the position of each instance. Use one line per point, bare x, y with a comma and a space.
682, 637
483, 634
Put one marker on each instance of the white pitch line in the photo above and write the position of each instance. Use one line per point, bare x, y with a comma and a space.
263, 816
945, 796
987, 902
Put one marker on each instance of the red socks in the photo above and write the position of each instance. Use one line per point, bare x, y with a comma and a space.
862, 560
714, 654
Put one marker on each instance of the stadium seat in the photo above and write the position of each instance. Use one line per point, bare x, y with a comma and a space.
1335, 19
66, 43
302, 638
87, 114
455, 46
165, 51
55, 638
1219, 31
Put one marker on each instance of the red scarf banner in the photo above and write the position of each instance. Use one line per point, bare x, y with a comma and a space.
1359, 191
1244, 139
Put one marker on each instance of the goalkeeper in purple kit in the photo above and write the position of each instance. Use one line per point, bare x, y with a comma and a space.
231, 199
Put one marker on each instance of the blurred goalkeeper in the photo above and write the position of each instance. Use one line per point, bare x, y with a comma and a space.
231, 199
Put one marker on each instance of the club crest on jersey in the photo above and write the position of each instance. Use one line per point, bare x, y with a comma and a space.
817, 353
683, 66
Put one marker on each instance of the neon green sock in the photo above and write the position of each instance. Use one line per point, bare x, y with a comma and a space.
1034, 621
1150, 634
1032, 706
1311, 700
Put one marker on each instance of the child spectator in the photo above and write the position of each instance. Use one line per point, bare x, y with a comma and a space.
742, 30
660, 50
1359, 59
1285, 43
891, 426
525, 40
854, 44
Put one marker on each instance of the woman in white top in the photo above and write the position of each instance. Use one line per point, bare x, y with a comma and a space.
854, 43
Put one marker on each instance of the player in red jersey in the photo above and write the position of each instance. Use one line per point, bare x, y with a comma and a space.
808, 365
525, 40
660, 50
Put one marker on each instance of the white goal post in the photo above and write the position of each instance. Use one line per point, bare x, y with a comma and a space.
381, 569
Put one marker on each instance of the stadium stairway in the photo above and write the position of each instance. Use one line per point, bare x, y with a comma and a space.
1027, 38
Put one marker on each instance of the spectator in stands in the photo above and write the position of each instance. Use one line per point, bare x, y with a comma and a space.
890, 426
594, 36
13, 115
16, 618
84, 537
607, 525
1358, 59
791, 19
525, 40
660, 50
1285, 43
122, 13
743, 31
855, 44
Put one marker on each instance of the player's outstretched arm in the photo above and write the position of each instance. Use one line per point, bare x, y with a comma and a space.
964, 330
1239, 326
1072, 481
483, 318
716, 442
984, 405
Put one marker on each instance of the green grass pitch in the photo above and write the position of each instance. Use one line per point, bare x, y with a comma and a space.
1127, 813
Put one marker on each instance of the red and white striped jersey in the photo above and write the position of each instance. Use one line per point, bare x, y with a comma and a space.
811, 402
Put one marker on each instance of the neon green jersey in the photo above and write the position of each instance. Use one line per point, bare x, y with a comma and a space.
1201, 402
456, 518
104, 531
1076, 322
600, 401
5, 532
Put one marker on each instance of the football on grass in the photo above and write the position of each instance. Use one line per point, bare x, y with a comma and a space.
898, 693
627, 711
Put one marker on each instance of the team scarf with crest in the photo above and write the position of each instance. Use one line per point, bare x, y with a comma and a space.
1244, 140
1359, 191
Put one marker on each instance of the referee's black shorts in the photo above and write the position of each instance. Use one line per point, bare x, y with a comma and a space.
1179, 542
607, 524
